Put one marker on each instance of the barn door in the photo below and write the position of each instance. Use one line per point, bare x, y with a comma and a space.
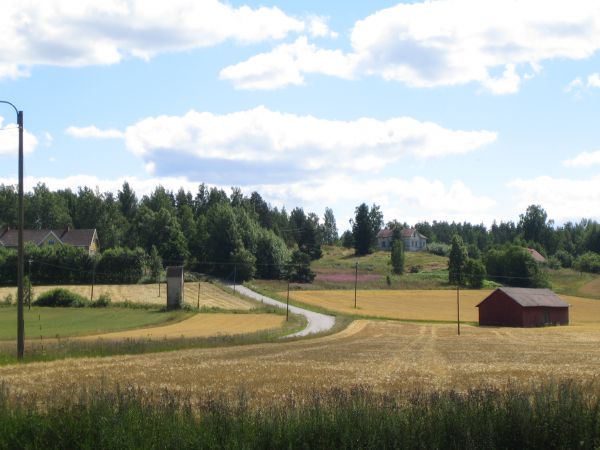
546, 317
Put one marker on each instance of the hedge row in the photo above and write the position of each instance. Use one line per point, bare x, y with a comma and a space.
71, 265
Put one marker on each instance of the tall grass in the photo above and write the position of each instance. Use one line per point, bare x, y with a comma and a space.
553, 416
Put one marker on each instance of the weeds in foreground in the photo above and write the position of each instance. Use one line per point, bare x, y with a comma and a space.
551, 416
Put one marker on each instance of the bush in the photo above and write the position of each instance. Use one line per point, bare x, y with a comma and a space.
415, 269
7, 300
588, 262
299, 268
437, 248
553, 263
564, 257
103, 301
475, 273
61, 298
513, 265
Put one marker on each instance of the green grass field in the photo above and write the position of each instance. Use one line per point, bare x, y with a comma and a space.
67, 322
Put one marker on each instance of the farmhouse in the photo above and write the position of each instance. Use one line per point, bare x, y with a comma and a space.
522, 307
85, 238
412, 239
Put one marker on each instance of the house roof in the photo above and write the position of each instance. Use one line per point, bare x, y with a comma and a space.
77, 238
386, 232
536, 255
530, 298
405, 233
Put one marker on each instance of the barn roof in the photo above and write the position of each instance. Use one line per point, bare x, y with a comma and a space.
530, 298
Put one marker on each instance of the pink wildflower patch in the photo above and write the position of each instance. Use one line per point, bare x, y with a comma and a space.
345, 277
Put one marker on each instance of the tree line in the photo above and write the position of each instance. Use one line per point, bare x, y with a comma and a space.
208, 231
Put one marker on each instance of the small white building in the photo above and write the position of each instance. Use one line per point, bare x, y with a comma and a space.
413, 240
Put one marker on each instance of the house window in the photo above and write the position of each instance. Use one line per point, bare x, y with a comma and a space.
51, 242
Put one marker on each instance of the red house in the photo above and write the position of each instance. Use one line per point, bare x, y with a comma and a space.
522, 307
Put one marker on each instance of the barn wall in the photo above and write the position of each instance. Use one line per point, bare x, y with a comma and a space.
559, 316
500, 309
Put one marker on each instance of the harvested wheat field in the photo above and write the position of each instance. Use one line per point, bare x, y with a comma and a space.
386, 356
211, 296
201, 325
427, 305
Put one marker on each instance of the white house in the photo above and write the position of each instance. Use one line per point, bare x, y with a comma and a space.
412, 239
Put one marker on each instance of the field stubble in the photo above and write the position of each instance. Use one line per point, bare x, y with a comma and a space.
211, 296
388, 357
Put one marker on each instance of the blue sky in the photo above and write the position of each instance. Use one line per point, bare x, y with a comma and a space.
449, 109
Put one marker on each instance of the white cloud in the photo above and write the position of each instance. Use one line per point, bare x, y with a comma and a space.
410, 200
562, 198
92, 132
48, 139
140, 186
318, 27
303, 144
584, 159
454, 42
9, 139
89, 32
578, 85
286, 65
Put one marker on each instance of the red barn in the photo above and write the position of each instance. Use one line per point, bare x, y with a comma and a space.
522, 307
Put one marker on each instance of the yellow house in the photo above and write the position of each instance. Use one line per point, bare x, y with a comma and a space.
86, 238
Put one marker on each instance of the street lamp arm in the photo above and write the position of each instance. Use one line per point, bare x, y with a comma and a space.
9, 103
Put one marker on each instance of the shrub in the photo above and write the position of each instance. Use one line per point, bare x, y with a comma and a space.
588, 262
415, 269
102, 302
7, 300
475, 273
513, 265
437, 248
61, 298
553, 263
298, 269
564, 257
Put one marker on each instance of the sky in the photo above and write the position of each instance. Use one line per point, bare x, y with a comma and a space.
458, 110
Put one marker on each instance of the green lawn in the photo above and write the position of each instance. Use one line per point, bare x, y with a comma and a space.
63, 322
343, 259
571, 282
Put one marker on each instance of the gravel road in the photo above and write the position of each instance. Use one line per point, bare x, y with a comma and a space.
317, 322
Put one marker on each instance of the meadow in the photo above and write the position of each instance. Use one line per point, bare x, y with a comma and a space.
45, 323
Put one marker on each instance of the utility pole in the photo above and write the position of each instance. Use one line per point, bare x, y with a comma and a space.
234, 275
20, 249
198, 295
355, 282
93, 279
287, 305
458, 307
29, 290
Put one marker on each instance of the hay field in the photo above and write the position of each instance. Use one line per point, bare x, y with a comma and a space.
427, 305
386, 356
200, 325
211, 296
